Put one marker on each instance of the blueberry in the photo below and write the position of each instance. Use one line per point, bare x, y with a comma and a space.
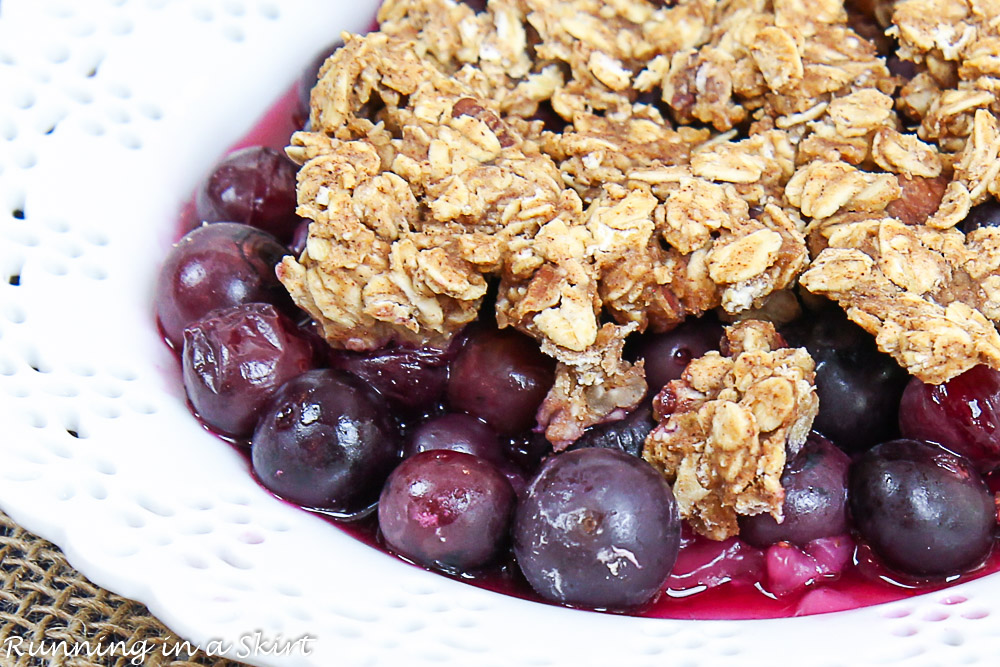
597, 528
213, 267
501, 377
963, 414
235, 358
923, 510
626, 435
986, 214
411, 379
666, 355
858, 386
457, 432
447, 510
325, 441
254, 186
815, 505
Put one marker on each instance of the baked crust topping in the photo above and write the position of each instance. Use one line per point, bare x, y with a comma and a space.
714, 156
726, 426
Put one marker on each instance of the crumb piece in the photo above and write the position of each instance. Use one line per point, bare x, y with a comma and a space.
954, 45
408, 221
420, 188
596, 150
978, 165
774, 63
821, 189
905, 154
643, 161
924, 293
954, 207
591, 387
726, 426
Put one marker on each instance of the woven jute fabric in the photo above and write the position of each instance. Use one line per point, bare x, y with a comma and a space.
49, 608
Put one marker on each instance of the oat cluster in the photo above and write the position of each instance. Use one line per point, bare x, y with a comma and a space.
619, 165
726, 426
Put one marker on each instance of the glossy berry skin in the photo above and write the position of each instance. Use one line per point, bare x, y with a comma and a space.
299, 239
626, 435
962, 414
216, 266
235, 358
666, 355
597, 528
527, 450
815, 505
924, 511
986, 214
254, 186
459, 433
411, 379
500, 377
446, 510
858, 386
325, 441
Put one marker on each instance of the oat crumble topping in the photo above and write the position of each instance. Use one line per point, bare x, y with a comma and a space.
619, 165
725, 428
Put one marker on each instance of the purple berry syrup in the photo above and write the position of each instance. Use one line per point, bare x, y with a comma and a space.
735, 572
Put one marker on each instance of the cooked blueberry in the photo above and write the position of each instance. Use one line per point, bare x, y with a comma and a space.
501, 377
299, 239
235, 358
325, 441
528, 450
668, 354
597, 528
905, 69
447, 510
923, 510
962, 414
254, 186
858, 386
986, 214
213, 267
413, 379
459, 433
815, 505
626, 435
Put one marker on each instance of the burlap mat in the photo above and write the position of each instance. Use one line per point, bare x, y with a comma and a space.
44, 601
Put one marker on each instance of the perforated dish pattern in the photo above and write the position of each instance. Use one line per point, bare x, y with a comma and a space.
110, 111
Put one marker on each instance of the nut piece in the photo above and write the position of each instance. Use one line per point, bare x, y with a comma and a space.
726, 425
919, 199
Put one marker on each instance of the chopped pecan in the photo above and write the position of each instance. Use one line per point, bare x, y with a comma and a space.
919, 199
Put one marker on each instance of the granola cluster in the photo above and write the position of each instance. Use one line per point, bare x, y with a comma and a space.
619, 165
726, 427
955, 45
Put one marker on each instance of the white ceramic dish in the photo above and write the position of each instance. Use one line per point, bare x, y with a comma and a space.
110, 111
